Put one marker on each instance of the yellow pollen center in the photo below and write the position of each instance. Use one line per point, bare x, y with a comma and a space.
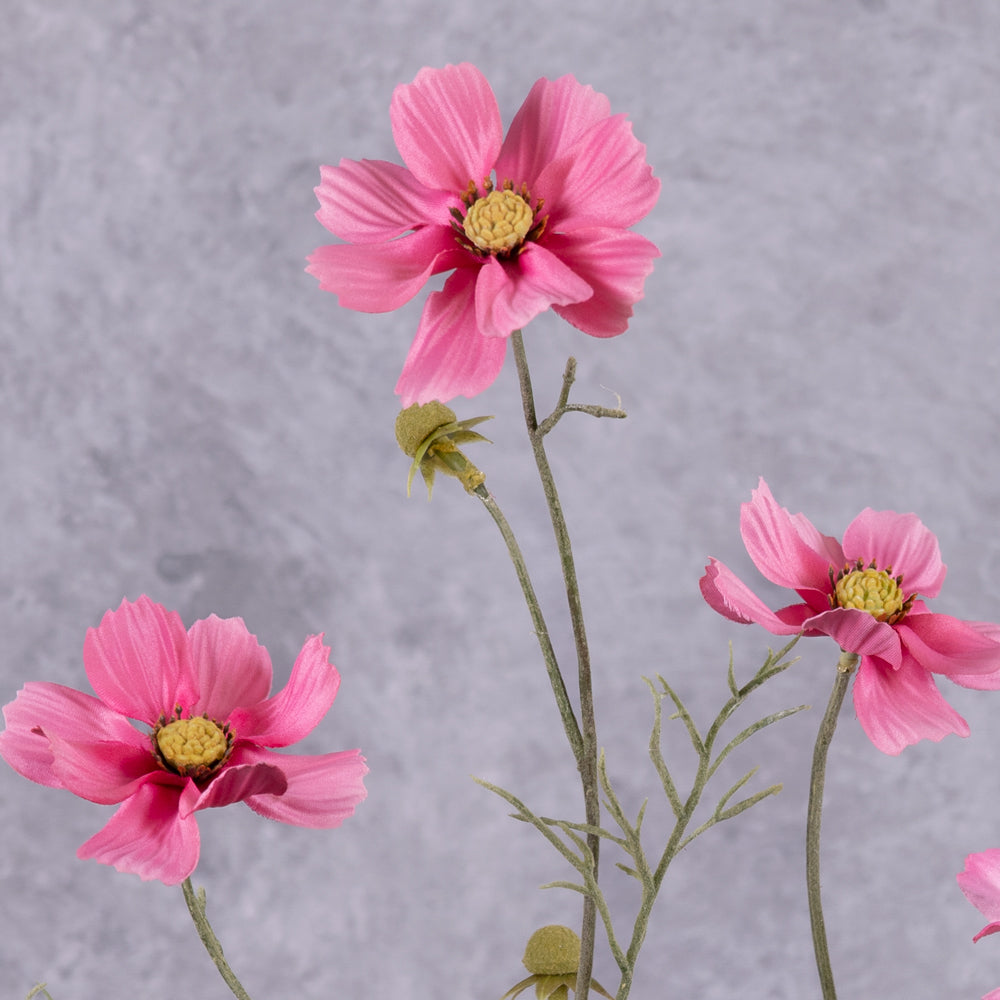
872, 590
192, 745
499, 221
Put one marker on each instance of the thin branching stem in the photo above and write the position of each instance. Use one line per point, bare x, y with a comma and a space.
587, 762
196, 906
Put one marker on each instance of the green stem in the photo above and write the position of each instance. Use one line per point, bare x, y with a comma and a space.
845, 667
196, 906
541, 631
587, 761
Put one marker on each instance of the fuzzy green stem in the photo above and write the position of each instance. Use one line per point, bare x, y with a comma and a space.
196, 906
587, 761
845, 667
570, 724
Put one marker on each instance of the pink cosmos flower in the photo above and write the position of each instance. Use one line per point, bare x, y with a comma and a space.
862, 592
203, 692
549, 228
980, 881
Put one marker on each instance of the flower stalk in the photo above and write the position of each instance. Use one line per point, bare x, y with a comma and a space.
587, 759
196, 906
845, 668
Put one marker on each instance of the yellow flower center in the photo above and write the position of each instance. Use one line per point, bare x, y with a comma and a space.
873, 590
499, 222
195, 747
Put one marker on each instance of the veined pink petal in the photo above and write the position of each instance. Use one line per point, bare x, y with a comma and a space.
137, 660
615, 264
41, 710
147, 836
980, 881
322, 790
732, 598
297, 708
237, 782
785, 547
380, 277
896, 708
949, 646
104, 772
373, 201
554, 116
981, 682
449, 356
233, 668
901, 541
509, 296
858, 632
604, 180
447, 126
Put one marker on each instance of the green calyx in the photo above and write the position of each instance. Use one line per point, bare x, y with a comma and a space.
430, 435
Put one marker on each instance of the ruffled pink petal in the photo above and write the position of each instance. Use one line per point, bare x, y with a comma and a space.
449, 356
237, 782
104, 772
785, 547
373, 201
233, 668
554, 116
726, 593
993, 994
615, 264
900, 541
980, 881
981, 682
137, 660
379, 277
896, 708
509, 296
295, 710
42, 710
447, 126
148, 837
859, 632
603, 180
322, 790
949, 646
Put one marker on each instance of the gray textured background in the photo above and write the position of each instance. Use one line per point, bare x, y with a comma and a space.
184, 414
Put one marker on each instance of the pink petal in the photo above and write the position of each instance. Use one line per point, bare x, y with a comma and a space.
447, 126
615, 264
785, 547
449, 356
858, 632
322, 790
104, 772
147, 836
980, 881
603, 180
379, 277
237, 782
554, 115
233, 668
41, 710
993, 994
732, 598
509, 296
373, 201
137, 660
295, 710
982, 682
947, 645
896, 708
900, 541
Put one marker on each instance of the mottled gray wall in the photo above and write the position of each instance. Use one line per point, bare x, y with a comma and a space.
184, 414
